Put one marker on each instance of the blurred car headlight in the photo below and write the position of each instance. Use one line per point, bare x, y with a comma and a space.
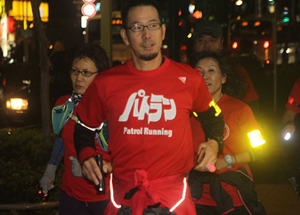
17, 104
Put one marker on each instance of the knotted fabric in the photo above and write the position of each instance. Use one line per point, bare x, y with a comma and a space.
168, 191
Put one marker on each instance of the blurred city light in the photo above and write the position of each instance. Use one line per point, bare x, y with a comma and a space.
238, 2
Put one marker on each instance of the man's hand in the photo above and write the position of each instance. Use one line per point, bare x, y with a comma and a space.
91, 170
210, 149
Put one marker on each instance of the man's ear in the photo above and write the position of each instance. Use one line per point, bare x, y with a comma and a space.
163, 27
124, 36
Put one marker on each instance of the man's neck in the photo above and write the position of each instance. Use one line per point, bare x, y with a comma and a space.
147, 65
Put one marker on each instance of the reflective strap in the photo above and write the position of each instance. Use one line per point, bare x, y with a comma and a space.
183, 196
75, 118
112, 192
171, 210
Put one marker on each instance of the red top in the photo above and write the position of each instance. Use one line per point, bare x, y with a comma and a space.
293, 102
77, 187
239, 121
148, 114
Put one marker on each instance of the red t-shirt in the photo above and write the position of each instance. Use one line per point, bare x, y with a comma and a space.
293, 102
77, 187
239, 121
148, 114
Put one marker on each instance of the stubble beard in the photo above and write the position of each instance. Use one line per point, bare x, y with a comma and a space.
148, 57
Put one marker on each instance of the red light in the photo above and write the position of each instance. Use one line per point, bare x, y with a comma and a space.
234, 45
180, 23
183, 48
88, 10
266, 44
45, 195
40, 192
267, 61
291, 100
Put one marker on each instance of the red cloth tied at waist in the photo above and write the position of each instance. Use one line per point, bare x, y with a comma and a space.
168, 191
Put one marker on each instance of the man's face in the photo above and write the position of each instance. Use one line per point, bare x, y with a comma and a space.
146, 44
208, 43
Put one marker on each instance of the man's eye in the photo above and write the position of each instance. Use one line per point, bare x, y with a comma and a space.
137, 27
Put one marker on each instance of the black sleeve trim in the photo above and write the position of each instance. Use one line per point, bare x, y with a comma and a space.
213, 126
83, 138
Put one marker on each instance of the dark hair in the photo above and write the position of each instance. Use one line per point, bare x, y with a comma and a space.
235, 85
95, 52
135, 3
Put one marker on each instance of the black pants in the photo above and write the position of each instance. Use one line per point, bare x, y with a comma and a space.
211, 210
68, 205
125, 210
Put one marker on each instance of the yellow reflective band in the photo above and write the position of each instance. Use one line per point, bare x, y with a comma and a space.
256, 138
216, 107
195, 114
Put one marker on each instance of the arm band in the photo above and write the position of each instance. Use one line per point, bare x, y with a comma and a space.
213, 126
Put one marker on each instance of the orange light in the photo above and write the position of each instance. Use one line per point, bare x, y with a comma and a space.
266, 44
179, 13
234, 45
197, 14
257, 23
244, 23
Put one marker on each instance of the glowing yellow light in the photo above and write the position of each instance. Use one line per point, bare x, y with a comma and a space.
17, 104
216, 107
256, 138
189, 35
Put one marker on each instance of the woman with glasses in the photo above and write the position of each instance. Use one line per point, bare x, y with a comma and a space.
78, 196
229, 190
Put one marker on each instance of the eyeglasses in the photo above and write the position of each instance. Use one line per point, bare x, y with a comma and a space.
139, 27
85, 73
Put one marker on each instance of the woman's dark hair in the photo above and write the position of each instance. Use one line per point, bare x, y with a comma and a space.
135, 3
95, 52
235, 85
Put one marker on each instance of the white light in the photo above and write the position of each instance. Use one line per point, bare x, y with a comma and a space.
238, 2
191, 8
287, 136
88, 10
165, 46
84, 21
288, 50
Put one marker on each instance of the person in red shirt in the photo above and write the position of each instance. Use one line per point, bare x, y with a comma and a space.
147, 102
289, 133
230, 189
78, 195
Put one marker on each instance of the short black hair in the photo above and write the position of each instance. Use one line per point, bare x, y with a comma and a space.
95, 52
235, 85
135, 3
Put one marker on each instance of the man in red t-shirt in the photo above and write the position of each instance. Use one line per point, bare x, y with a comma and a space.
147, 102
